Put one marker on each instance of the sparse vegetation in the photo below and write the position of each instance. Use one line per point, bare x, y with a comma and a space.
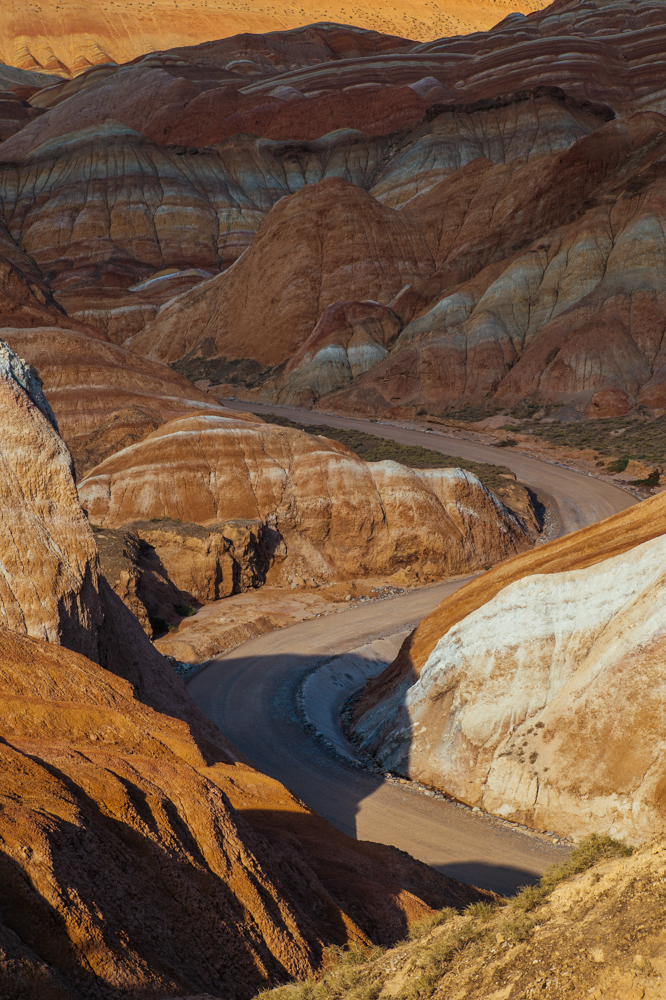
437, 940
160, 625
185, 610
376, 449
616, 440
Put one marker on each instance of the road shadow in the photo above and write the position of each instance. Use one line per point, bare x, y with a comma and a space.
253, 699
500, 878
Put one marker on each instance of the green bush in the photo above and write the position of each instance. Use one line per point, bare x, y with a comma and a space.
184, 610
619, 465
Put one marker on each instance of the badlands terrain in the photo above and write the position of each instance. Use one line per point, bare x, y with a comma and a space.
67, 38
438, 217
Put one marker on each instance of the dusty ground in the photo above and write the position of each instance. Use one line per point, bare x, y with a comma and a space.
494, 430
599, 935
227, 623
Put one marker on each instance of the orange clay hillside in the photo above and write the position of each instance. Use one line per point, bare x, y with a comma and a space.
125, 868
65, 40
591, 545
125, 865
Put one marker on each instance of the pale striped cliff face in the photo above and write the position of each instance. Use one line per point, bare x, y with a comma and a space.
48, 577
544, 703
332, 516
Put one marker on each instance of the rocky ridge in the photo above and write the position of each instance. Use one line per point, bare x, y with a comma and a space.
446, 297
105, 397
327, 514
506, 696
70, 41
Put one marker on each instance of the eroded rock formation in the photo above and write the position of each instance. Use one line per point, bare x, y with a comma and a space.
118, 831
125, 865
160, 570
507, 695
512, 185
71, 40
328, 514
104, 397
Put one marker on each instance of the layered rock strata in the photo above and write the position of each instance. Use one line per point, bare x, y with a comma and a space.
71, 40
118, 798
507, 695
161, 570
328, 514
527, 200
104, 397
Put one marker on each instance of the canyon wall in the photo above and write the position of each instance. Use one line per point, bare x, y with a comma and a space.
328, 514
439, 226
138, 851
535, 691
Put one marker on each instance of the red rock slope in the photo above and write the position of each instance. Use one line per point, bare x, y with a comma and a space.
535, 691
524, 179
103, 396
329, 514
131, 863
124, 865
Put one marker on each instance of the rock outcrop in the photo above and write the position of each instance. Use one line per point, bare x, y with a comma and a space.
512, 173
118, 815
160, 570
104, 397
50, 584
534, 691
130, 862
328, 514
297, 266
71, 40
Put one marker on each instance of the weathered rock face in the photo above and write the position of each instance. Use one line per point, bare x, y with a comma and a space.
42, 593
125, 865
15, 113
160, 570
507, 695
527, 206
50, 585
104, 397
296, 267
329, 515
499, 195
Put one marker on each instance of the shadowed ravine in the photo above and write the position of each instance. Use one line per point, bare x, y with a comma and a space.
250, 694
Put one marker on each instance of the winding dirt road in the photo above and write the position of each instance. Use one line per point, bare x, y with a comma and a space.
250, 693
